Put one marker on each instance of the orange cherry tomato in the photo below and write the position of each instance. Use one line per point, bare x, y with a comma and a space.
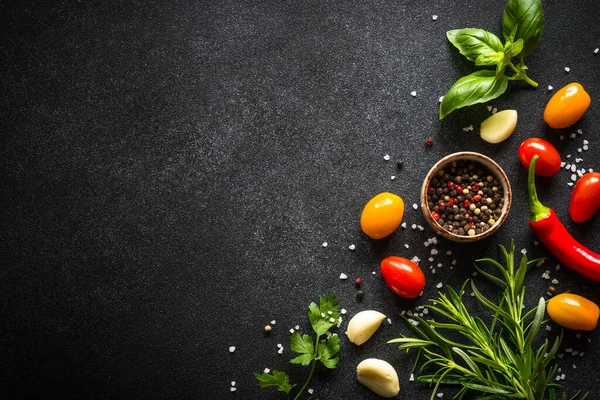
585, 199
403, 276
574, 312
567, 106
549, 162
382, 215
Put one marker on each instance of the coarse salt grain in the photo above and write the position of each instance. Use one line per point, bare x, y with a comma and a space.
273, 322
343, 311
567, 69
389, 320
449, 253
352, 247
572, 135
266, 370
580, 131
419, 227
585, 147
489, 108
231, 349
494, 110
550, 87
325, 244
311, 391
386, 157
412, 377
439, 285
523, 251
393, 177
413, 93
596, 50
280, 351
406, 245
232, 389
441, 98
414, 226
562, 137
435, 17
343, 276
574, 177
573, 168
585, 142
415, 206
292, 330
232, 383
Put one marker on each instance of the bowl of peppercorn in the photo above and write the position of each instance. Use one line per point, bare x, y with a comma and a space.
466, 197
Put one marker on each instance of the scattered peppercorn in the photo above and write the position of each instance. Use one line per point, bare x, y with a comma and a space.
399, 164
465, 198
429, 141
360, 295
268, 329
358, 282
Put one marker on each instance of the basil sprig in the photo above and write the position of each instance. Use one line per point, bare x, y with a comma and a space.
522, 28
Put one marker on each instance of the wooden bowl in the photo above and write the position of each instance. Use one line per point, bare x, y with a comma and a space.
495, 170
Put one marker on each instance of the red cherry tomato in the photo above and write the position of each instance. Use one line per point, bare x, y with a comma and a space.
585, 199
403, 276
549, 162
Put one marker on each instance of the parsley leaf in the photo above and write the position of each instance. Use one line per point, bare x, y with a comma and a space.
328, 350
275, 378
322, 317
303, 345
325, 316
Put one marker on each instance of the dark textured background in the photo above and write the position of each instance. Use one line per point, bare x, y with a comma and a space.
171, 170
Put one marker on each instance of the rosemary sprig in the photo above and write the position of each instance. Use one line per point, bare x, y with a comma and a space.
498, 361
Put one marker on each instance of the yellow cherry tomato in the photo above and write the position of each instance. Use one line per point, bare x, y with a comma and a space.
382, 215
567, 106
574, 312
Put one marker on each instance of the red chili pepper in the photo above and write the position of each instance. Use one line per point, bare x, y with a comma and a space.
548, 228
435, 216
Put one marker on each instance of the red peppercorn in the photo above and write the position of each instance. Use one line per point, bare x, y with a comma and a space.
450, 185
435, 216
431, 189
477, 197
471, 223
451, 201
358, 282
467, 203
459, 188
475, 187
429, 141
442, 205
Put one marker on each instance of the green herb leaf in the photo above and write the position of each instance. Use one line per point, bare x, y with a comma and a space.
490, 59
276, 378
474, 43
523, 19
324, 316
302, 344
328, 350
478, 87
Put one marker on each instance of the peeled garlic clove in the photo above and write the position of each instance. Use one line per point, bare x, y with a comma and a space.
499, 126
363, 325
379, 376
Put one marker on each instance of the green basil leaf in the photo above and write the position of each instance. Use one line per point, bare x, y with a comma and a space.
478, 87
490, 59
513, 49
523, 19
472, 42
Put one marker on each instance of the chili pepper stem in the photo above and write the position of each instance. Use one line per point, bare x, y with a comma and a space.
537, 210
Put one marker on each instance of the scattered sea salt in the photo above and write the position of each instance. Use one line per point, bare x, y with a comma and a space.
415, 206
233, 389
550, 87
343, 276
343, 311
406, 245
414, 226
266, 370
325, 244
435, 17
596, 50
273, 322
310, 391
386, 157
280, 351
441, 98
567, 69
439, 285
413, 93
585, 147
494, 110
393, 177
403, 225
352, 247
412, 377
449, 253
574, 177
231, 349
572, 135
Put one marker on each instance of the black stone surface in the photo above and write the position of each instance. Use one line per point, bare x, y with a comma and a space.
171, 169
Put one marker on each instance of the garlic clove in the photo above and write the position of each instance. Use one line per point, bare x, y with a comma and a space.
499, 126
363, 325
379, 376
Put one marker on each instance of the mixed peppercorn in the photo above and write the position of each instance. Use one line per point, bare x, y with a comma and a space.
465, 198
